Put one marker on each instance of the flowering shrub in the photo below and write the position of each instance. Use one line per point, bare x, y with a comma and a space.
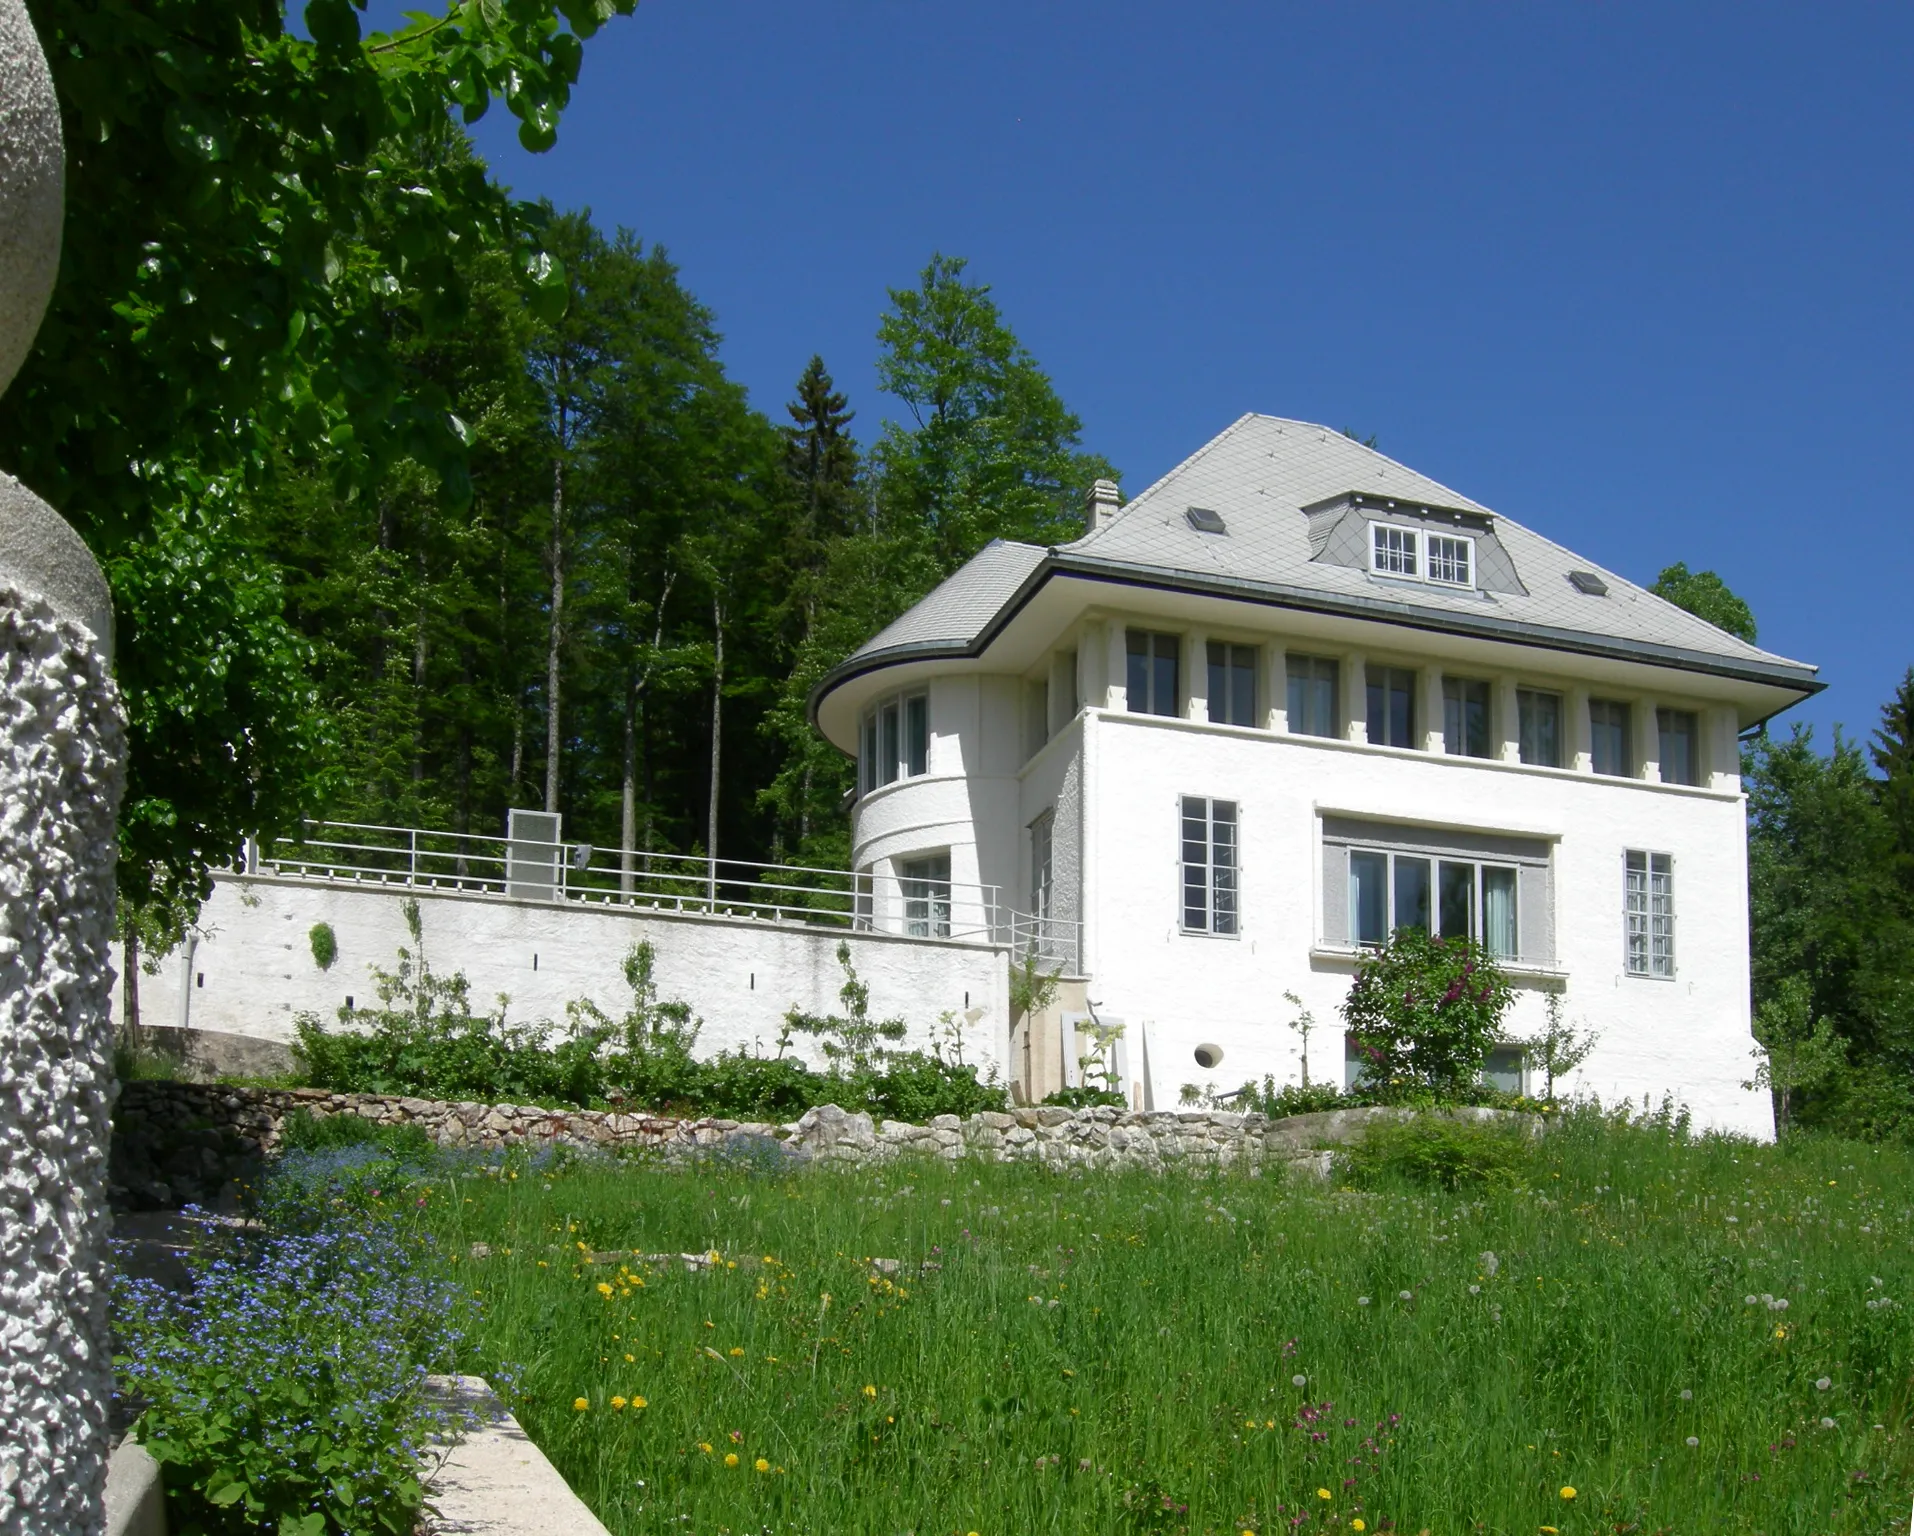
285, 1392
1424, 1013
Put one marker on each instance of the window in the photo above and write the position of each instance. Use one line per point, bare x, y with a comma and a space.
1209, 866
1041, 842
1152, 682
1232, 683
1503, 1068
1465, 717
896, 741
1449, 560
926, 888
1447, 897
1608, 742
1410, 554
1680, 741
1392, 706
1650, 905
1313, 683
1394, 551
1539, 727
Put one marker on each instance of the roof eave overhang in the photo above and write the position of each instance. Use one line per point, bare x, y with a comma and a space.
1059, 562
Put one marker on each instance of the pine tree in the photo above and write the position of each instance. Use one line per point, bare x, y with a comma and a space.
1893, 753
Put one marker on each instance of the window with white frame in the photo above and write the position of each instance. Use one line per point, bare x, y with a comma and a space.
925, 884
1415, 554
895, 741
1451, 559
1650, 908
1210, 866
1444, 897
1394, 551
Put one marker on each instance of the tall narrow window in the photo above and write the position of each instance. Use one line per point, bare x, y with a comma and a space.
1369, 897
1313, 681
1498, 913
1458, 900
1412, 894
1650, 913
1232, 680
1152, 682
1465, 717
861, 903
1209, 866
1539, 727
867, 772
1392, 706
1041, 837
1609, 747
926, 887
1680, 733
916, 756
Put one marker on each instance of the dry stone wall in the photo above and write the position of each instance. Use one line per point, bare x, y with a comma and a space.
180, 1143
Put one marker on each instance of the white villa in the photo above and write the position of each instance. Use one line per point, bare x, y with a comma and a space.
1290, 696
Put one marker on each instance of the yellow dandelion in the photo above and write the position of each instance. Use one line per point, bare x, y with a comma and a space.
870, 1391
1568, 1493
737, 1351
730, 1458
639, 1402
1781, 1333
1249, 1423
617, 1402
631, 1359
581, 1403
1549, 1530
1357, 1525
1322, 1493
762, 1465
603, 1289
705, 1446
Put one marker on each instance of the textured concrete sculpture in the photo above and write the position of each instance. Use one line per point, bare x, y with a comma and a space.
60, 766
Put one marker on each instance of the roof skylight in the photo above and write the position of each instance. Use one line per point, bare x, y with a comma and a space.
1205, 521
1588, 582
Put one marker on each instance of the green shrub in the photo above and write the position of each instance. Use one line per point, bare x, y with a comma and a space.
303, 1131
1424, 1013
325, 945
425, 1039
1087, 1097
1433, 1151
1278, 1100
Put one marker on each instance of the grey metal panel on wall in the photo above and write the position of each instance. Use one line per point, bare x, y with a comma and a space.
1335, 894
1535, 912
1436, 840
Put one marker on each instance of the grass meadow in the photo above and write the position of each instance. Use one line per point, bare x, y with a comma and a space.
1635, 1333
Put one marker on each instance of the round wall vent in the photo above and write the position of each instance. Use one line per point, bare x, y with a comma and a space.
1209, 1055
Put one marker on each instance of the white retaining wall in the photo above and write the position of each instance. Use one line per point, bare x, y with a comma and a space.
250, 971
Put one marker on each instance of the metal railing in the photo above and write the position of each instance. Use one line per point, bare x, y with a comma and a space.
531, 869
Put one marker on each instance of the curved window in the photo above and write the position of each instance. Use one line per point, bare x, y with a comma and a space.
894, 742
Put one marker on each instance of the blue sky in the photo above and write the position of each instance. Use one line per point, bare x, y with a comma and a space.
1637, 276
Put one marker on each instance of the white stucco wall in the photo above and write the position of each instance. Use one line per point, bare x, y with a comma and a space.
1689, 1036
252, 971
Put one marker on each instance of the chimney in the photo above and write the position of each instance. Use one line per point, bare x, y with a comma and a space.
1101, 504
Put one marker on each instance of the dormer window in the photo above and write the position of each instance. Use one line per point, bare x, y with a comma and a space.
1412, 554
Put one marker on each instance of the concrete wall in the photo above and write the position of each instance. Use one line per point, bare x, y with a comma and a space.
251, 969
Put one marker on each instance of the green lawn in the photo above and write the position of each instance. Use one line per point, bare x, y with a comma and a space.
1119, 1352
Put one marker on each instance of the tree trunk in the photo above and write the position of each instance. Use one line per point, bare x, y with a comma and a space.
555, 638
717, 736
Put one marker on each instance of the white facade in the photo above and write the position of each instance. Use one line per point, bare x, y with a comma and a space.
1026, 663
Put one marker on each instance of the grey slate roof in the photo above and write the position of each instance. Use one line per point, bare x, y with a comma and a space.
1260, 474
